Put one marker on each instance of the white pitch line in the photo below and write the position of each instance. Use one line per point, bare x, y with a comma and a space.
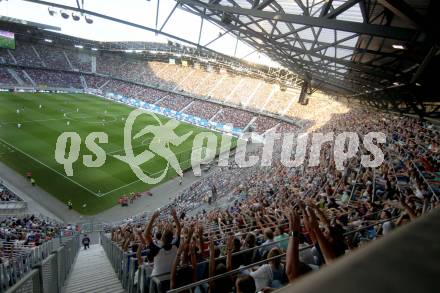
133, 148
123, 149
64, 118
123, 186
128, 184
38, 161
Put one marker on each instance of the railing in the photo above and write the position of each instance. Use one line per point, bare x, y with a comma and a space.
125, 264
407, 265
426, 181
43, 269
118, 259
241, 268
90, 227
13, 207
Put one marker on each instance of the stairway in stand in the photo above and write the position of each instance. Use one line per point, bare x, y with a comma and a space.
92, 272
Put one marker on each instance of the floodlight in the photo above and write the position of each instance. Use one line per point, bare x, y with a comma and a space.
75, 17
51, 11
398, 47
64, 14
88, 20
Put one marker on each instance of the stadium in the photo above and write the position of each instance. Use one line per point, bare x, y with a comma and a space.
219, 146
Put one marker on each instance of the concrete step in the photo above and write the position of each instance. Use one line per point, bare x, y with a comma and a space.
92, 272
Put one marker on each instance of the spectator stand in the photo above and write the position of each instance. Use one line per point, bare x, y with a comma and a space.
10, 203
42, 268
112, 66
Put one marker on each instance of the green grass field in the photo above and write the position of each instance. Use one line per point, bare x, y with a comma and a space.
32, 146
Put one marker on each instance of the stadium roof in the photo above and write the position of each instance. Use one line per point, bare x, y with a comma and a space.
385, 51
332, 41
134, 20
378, 49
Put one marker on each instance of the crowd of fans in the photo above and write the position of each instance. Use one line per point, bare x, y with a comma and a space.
263, 123
280, 102
195, 81
5, 57
128, 68
22, 74
18, 233
7, 195
199, 108
280, 223
262, 96
206, 83
25, 54
47, 78
151, 95
52, 57
174, 102
269, 225
244, 91
203, 109
95, 82
27, 230
5, 77
239, 118
285, 127
318, 112
222, 86
80, 61
24, 240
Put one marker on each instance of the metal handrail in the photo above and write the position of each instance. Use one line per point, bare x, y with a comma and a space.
238, 270
424, 179
227, 274
56, 256
420, 174
125, 270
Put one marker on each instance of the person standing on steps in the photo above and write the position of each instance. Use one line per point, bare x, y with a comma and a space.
86, 242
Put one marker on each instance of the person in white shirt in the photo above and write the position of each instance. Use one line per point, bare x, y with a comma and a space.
387, 226
271, 274
164, 251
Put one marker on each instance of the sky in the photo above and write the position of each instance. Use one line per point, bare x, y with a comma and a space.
182, 24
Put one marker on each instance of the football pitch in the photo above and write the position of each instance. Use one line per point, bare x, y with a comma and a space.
31, 146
